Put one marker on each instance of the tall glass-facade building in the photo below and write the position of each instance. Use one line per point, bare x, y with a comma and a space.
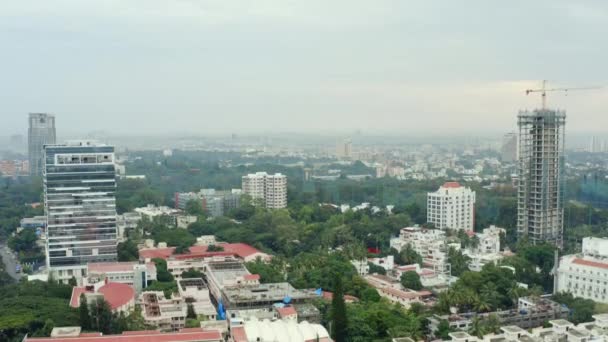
80, 206
41, 132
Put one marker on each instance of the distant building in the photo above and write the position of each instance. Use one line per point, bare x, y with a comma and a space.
214, 202
151, 211
80, 207
509, 148
271, 190
452, 207
585, 275
540, 191
41, 132
344, 149
35, 222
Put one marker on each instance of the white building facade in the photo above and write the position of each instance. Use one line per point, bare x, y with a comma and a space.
585, 275
452, 207
271, 190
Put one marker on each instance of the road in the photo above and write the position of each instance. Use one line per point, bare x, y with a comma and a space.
9, 262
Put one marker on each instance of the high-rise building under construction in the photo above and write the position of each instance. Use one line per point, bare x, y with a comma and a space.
540, 193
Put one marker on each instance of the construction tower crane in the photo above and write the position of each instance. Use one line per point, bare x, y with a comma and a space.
544, 91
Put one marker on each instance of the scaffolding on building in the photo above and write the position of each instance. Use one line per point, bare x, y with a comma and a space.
540, 211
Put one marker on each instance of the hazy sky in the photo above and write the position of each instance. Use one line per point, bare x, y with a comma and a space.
150, 66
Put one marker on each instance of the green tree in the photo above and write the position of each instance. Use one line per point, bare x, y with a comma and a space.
215, 248
190, 313
459, 261
192, 273
409, 255
443, 330
83, 311
127, 251
411, 280
194, 207
370, 295
72, 282
162, 274
373, 268
338, 306
182, 249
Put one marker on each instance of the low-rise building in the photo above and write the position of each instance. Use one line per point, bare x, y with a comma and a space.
531, 312
558, 330
120, 297
75, 334
585, 274
151, 211
183, 221
387, 262
487, 249
431, 245
125, 272
165, 313
361, 266
240, 250
126, 223
279, 330
35, 222
196, 293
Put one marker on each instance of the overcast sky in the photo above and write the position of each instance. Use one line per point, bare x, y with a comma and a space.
152, 66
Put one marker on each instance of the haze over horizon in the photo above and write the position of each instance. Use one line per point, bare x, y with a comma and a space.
212, 66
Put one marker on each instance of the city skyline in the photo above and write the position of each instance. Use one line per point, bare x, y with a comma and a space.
382, 66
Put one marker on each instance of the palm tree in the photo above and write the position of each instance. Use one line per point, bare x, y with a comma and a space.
477, 327
482, 305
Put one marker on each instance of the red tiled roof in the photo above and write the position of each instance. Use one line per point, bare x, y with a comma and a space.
451, 185
117, 294
195, 334
75, 298
407, 268
287, 311
591, 263
238, 334
251, 277
348, 298
241, 250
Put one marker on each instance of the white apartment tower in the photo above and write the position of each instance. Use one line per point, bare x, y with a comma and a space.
451, 207
271, 190
80, 207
